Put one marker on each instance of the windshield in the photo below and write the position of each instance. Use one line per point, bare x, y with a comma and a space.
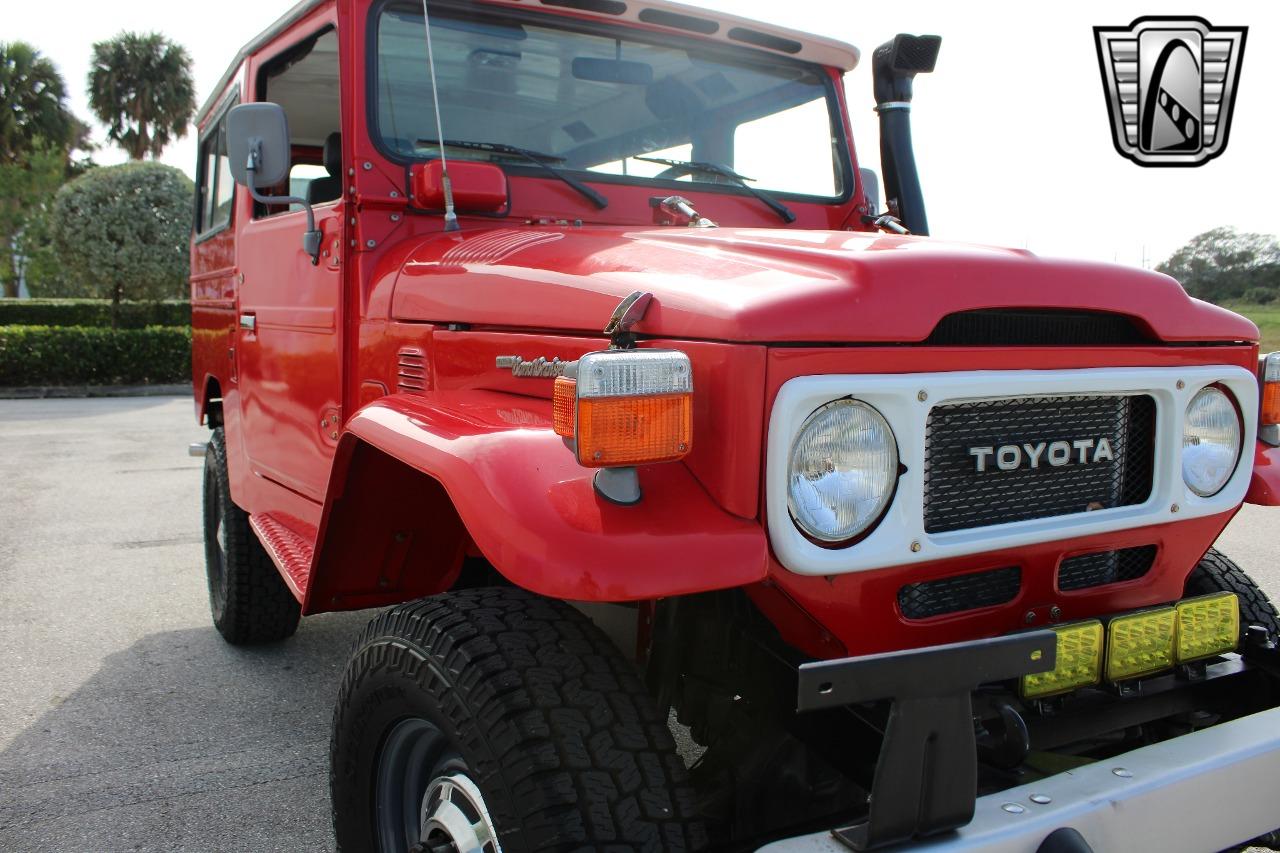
600, 100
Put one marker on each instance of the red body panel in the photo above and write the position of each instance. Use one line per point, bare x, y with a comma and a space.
532, 511
772, 285
391, 343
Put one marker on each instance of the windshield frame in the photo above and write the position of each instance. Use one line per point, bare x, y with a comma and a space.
843, 164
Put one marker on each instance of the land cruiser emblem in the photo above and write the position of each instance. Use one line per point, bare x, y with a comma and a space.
1170, 84
539, 368
1053, 454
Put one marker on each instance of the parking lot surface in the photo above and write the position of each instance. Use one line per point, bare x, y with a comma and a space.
125, 722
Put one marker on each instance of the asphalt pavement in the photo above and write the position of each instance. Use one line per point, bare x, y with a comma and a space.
125, 722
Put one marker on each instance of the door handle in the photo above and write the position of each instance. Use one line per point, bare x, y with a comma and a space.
248, 322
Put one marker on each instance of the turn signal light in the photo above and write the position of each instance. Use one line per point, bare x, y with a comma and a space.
1079, 661
1269, 417
1208, 625
1141, 643
626, 407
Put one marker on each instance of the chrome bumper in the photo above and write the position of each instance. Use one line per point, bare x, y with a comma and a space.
1204, 791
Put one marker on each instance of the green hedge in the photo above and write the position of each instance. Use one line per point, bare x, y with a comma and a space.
92, 312
43, 355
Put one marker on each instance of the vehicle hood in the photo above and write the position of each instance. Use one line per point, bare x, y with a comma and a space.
769, 286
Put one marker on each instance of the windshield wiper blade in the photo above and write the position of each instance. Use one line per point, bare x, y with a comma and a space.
725, 172
537, 158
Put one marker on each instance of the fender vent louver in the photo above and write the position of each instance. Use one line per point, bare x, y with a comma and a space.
1086, 571
411, 369
959, 593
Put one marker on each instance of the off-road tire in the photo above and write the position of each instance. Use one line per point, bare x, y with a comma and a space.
249, 600
1217, 572
552, 724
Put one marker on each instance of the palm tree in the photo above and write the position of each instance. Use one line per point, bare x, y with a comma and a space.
33, 109
140, 87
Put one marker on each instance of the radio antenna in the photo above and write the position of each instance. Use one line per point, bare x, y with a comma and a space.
450, 216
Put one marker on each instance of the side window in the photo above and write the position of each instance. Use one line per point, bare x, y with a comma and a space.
304, 82
217, 187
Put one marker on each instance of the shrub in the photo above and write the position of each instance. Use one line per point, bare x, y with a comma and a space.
77, 355
1259, 295
125, 229
92, 312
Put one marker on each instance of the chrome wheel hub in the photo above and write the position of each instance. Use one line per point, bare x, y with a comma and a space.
454, 814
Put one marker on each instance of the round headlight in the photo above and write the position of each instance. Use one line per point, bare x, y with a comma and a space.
1210, 441
843, 469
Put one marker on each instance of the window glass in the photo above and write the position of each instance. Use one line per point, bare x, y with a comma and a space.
225, 192
599, 99
304, 82
217, 187
209, 175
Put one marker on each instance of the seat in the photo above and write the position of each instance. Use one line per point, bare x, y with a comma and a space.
322, 190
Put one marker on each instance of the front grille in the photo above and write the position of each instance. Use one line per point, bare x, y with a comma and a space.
958, 496
1089, 570
959, 593
1008, 327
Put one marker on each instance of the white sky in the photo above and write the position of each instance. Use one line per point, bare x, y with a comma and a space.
1011, 132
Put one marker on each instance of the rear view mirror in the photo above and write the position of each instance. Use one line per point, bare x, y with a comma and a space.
258, 141
871, 189
612, 71
258, 148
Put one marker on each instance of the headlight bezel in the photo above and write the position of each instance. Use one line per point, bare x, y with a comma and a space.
845, 539
1240, 428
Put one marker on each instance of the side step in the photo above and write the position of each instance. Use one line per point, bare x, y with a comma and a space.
291, 544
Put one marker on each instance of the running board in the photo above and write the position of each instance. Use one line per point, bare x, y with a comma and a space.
291, 545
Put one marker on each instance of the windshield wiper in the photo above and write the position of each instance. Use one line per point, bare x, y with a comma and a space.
687, 166
537, 158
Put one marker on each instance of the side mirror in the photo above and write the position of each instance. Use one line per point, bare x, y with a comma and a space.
871, 189
259, 155
258, 144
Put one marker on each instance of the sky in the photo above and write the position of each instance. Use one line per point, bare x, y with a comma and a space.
1011, 132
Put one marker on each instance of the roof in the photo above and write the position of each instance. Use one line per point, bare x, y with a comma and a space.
656, 14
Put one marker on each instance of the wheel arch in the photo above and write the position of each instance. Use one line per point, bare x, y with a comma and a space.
421, 480
209, 402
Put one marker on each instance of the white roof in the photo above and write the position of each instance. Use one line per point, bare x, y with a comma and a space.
660, 15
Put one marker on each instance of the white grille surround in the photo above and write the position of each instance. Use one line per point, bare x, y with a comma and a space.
898, 398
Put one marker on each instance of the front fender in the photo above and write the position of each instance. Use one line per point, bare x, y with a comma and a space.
1264, 488
532, 511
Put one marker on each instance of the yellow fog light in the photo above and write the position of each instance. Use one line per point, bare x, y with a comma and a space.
1141, 643
1079, 661
1208, 625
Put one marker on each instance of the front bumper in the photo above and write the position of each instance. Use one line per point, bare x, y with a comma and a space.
1199, 792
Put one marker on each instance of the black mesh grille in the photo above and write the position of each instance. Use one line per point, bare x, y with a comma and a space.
959, 496
1034, 328
1090, 570
962, 592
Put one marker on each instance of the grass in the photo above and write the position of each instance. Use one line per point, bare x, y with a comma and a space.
1267, 318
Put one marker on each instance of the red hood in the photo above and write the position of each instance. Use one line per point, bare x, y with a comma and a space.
770, 286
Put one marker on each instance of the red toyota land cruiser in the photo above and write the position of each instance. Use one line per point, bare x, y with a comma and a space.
713, 502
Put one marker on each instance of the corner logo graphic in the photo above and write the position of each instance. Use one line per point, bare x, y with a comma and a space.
1170, 86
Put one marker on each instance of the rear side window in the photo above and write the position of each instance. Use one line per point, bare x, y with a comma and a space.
217, 187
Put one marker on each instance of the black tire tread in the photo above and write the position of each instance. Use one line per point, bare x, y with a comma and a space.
259, 608
1216, 572
550, 715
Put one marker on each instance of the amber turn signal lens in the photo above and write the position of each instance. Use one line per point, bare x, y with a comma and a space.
1271, 403
616, 431
1269, 416
563, 401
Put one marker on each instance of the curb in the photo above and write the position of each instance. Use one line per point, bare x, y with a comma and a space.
65, 391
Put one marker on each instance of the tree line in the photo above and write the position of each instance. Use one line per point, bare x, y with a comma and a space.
1226, 265
69, 227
